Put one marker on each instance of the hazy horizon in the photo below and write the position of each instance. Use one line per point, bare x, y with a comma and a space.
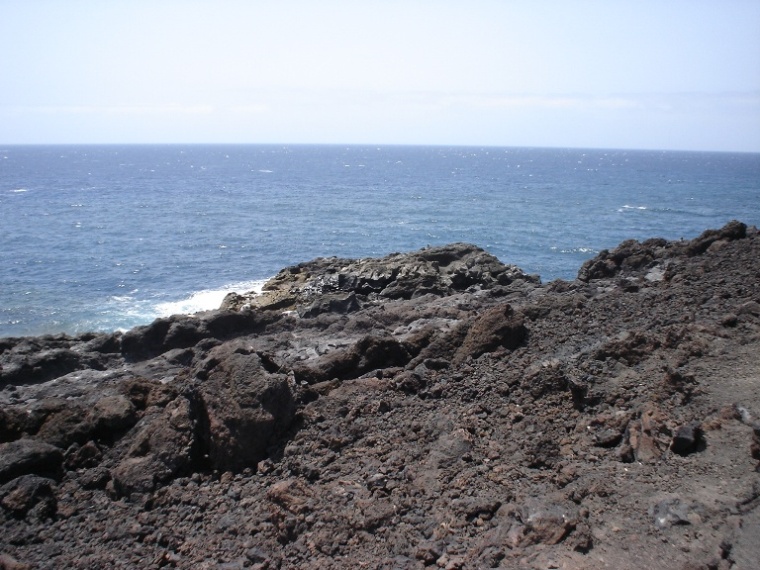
681, 75
340, 144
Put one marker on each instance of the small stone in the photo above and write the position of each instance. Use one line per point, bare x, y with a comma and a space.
676, 512
377, 481
687, 439
428, 553
256, 555
96, 478
607, 438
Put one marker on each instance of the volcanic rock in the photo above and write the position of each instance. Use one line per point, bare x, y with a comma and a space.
29, 495
349, 284
25, 456
430, 409
245, 406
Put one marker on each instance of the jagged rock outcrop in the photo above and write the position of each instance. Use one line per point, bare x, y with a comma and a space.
345, 285
632, 255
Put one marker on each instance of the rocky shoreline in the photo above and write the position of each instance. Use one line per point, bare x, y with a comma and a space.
430, 409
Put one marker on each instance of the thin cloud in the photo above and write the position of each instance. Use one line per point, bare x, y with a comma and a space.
249, 109
116, 110
646, 101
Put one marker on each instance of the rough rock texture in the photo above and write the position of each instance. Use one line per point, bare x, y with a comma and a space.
433, 409
345, 285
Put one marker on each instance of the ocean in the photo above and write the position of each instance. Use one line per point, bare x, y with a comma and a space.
103, 238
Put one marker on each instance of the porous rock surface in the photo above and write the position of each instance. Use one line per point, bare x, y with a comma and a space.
433, 409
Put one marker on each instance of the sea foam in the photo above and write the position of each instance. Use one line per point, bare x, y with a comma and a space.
205, 300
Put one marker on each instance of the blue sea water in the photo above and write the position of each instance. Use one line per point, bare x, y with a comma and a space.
109, 237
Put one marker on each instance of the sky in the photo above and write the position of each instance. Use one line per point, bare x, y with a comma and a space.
649, 74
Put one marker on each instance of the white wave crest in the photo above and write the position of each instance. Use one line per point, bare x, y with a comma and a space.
579, 250
206, 300
628, 207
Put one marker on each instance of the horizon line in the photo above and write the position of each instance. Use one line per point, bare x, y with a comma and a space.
378, 145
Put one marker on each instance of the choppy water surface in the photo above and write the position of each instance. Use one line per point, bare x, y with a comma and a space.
108, 237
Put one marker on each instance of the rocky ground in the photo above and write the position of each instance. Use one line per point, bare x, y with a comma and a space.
433, 409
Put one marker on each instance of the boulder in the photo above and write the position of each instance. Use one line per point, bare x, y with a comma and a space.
497, 327
731, 231
630, 254
338, 303
29, 495
245, 406
65, 422
13, 421
368, 353
539, 522
165, 445
112, 414
162, 335
26, 456
40, 366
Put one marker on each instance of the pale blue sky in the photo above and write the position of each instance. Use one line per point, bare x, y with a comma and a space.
657, 74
